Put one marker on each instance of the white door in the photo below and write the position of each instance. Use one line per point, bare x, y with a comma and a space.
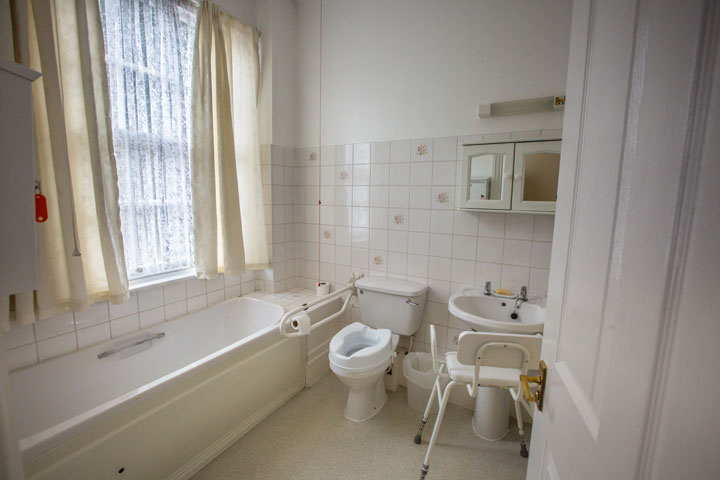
535, 179
632, 340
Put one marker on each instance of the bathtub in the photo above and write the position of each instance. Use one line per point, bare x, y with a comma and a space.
162, 408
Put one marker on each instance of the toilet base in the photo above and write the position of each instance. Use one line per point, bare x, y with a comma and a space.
365, 401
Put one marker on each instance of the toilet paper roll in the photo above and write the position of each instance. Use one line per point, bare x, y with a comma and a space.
301, 323
323, 288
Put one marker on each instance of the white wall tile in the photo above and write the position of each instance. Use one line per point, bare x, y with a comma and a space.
361, 174
380, 174
397, 262
55, 346
543, 229
93, 335
397, 241
20, 357
150, 298
465, 223
378, 239
514, 277
489, 250
422, 150
361, 197
417, 265
421, 173
19, 335
197, 303
125, 325
541, 254
464, 247
419, 221
517, 252
128, 307
488, 272
176, 309
361, 153
97, 313
439, 268
380, 152
420, 197
441, 221
441, 245
491, 224
174, 292
463, 271
444, 173
379, 196
539, 281
443, 198
398, 197
418, 243
519, 226
399, 174
400, 151
52, 327
445, 148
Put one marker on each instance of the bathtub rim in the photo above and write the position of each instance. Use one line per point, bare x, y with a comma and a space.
43, 441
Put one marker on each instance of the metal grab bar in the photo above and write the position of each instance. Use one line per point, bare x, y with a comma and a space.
132, 345
288, 317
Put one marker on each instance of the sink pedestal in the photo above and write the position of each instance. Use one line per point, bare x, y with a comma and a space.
491, 419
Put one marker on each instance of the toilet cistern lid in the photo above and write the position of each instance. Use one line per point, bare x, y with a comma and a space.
393, 286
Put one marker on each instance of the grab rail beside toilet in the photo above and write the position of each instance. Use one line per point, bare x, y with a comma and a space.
289, 319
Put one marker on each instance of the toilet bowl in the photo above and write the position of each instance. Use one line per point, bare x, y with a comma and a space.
361, 353
360, 356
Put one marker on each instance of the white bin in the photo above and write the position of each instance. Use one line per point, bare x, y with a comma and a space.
418, 370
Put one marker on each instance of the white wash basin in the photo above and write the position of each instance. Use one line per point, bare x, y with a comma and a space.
492, 314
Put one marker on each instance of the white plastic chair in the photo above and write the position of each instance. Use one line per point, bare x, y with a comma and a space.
483, 359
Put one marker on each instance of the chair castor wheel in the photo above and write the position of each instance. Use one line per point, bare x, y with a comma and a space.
417, 439
524, 451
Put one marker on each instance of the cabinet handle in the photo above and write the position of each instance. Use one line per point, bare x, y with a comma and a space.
518, 176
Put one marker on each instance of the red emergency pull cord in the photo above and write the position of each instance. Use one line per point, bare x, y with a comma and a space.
41, 210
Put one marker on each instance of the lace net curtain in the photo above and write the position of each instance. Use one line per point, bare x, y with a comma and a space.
149, 48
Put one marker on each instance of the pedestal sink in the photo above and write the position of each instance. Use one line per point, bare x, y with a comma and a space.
487, 313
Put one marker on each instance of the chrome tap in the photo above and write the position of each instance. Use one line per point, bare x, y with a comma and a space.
488, 288
522, 298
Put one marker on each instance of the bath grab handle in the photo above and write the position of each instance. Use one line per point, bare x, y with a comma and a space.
285, 324
410, 302
107, 353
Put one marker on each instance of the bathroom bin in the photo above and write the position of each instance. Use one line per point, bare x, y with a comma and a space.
418, 371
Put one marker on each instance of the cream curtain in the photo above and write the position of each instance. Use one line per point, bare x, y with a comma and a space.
80, 256
228, 214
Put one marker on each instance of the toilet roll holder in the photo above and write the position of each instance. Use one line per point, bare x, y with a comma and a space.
292, 322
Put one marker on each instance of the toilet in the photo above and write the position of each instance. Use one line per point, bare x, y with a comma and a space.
361, 353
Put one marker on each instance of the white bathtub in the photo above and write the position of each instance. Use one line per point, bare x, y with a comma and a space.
163, 409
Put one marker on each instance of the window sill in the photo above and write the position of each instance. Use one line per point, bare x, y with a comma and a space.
161, 279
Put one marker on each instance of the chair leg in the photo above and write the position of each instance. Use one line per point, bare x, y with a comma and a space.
428, 408
436, 429
518, 412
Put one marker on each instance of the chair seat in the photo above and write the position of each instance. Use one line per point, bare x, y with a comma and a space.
489, 376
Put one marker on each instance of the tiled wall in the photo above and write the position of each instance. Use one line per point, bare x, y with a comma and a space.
26, 345
389, 209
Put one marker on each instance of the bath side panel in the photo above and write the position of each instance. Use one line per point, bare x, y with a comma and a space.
179, 431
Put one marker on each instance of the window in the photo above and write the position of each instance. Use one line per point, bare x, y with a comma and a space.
148, 51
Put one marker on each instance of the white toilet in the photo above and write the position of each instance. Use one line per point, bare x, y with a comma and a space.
361, 353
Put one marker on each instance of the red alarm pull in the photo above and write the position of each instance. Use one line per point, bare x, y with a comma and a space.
41, 210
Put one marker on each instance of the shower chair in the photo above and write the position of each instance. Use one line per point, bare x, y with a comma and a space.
483, 359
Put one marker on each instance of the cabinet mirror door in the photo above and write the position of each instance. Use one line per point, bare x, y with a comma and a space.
487, 176
535, 181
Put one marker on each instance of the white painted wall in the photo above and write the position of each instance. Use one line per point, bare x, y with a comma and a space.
419, 68
243, 10
277, 22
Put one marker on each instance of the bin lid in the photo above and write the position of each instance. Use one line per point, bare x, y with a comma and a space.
393, 286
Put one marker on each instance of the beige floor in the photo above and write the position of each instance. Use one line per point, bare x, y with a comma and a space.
309, 438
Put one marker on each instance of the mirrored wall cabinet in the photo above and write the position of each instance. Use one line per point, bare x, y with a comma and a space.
516, 177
